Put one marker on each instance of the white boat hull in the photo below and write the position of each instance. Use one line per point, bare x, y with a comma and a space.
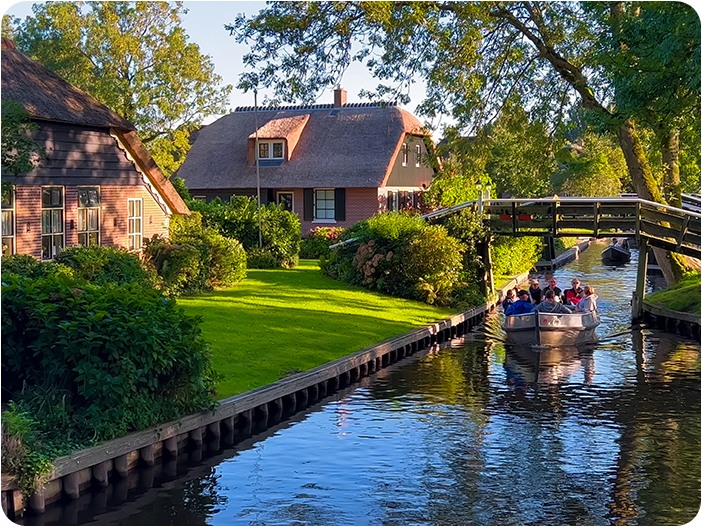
550, 329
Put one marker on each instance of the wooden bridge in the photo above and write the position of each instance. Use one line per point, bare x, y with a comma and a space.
657, 225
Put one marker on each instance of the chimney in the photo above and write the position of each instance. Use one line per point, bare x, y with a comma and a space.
339, 98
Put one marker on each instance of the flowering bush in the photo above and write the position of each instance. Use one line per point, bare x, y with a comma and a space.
318, 241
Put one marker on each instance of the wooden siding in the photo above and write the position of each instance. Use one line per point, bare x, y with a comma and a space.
411, 175
80, 155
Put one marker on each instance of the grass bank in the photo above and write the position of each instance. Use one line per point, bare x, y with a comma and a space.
683, 296
279, 321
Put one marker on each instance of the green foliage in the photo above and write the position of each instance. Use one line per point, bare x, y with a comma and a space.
195, 258
96, 362
280, 229
181, 188
466, 226
563, 244
399, 255
318, 240
102, 264
592, 167
135, 58
20, 153
261, 259
511, 256
29, 267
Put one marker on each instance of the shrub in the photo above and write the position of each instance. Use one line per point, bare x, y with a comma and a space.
121, 358
261, 259
317, 242
399, 255
511, 256
178, 265
101, 265
280, 229
466, 226
29, 267
227, 264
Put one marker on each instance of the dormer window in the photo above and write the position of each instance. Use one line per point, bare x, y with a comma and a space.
271, 150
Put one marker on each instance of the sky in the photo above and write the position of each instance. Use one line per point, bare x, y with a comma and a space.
204, 24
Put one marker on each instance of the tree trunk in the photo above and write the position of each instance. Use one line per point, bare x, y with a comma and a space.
673, 265
670, 151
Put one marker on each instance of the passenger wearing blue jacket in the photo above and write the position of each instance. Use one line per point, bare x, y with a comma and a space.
521, 306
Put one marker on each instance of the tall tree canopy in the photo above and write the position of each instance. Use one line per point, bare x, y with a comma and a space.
473, 56
133, 57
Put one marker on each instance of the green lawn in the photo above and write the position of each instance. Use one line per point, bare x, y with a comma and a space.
283, 320
683, 296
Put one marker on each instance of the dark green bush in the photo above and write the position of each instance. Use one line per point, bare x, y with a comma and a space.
318, 240
100, 361
102, 265
261, 259
179, 266
511, 256
227, 264
467, 227
280, 229
399, 255
29, 267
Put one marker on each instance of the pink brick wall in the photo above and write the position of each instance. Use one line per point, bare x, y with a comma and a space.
113, 216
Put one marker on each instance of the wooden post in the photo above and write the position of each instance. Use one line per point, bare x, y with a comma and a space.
637, 309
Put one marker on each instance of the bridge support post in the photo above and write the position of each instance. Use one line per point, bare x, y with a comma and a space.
488, 283
637, 302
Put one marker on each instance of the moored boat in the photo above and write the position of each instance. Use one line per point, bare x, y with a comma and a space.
551, 329
615, 254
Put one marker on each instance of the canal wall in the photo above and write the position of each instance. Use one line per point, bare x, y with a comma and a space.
234, 419
670, 321
565, 258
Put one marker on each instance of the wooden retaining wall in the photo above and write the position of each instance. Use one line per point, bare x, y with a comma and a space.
671, 321
567, 257
236, 418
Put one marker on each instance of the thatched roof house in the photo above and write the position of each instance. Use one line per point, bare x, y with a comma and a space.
378, 148
89, 148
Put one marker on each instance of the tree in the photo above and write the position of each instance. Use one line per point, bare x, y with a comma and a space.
473, 56
20, 153
135, 58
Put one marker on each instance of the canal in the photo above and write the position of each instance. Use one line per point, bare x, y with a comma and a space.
477, 433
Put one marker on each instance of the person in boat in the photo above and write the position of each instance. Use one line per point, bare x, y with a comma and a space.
575, 293
549, 305
588, 302
509, 299
535, 292
522, 306
553, 286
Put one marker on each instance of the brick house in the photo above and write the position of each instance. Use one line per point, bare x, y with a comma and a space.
332, 164
97, 185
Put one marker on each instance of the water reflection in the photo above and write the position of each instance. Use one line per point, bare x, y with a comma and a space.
479, 433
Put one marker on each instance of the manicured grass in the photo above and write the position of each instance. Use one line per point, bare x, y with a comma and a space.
683, 296
284, 320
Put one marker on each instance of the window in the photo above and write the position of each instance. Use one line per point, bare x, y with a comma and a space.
324, 204
88, 215
405, 154
286, 199
270, 150
135, 213
51, 221
8, 223
419, 156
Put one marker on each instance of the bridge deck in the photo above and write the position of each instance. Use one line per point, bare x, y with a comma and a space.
666, 227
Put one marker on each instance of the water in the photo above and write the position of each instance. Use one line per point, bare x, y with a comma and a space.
475, 434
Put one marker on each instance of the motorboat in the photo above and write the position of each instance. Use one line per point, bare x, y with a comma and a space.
551, 329
616, 254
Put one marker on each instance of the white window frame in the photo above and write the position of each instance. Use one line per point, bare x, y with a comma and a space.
326, 199
84, 223
419, 155
405, 154
270, 145
9, 211
53, 224
292, 198
132, 233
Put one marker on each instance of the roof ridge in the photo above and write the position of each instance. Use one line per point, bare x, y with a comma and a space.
242, 109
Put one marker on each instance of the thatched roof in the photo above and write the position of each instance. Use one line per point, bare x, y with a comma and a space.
45, 95
351, 146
